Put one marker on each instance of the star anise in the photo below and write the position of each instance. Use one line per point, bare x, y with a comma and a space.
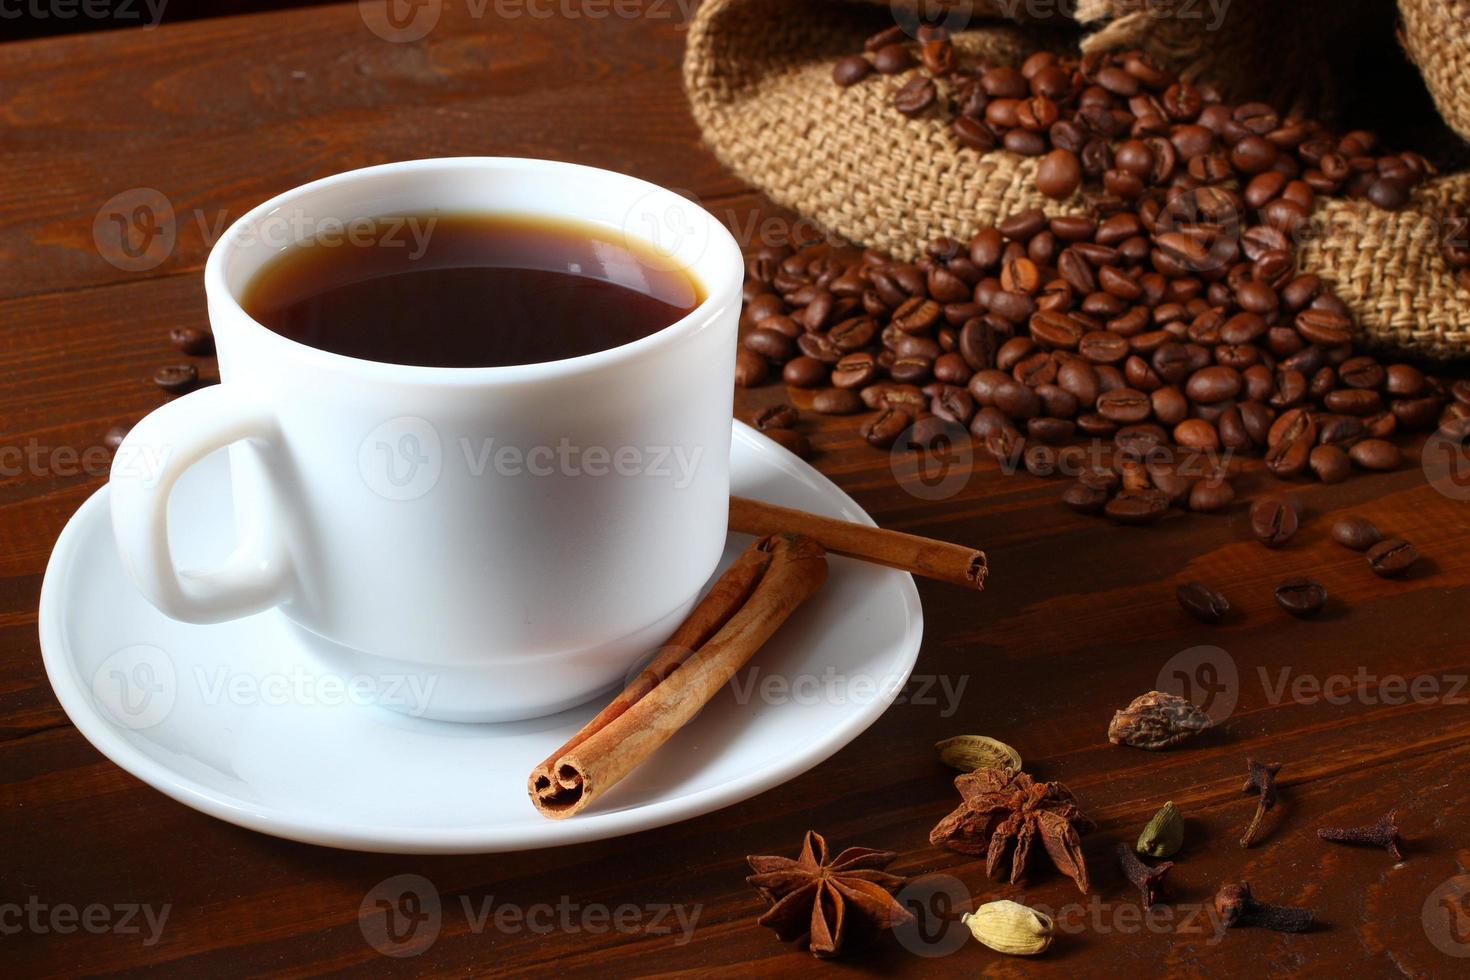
1002, 808
831, 902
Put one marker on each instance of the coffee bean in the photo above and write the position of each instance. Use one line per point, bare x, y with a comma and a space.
770, 344
892, 59
1137, 506
883, 429
1059, 174
1202, 602
750, 368
953, 404
1357, 533
851, 70
804, 372
855, 371
1124, 406
776, 417
176, 378
836, 401
1376, 454
917, 95
1301, 597
1197, 434
192, 340
790, 440
1330, 463
1085, 499
1291, 439
1211, 495
115, 436
1051, 431
1273, 521
1392, 557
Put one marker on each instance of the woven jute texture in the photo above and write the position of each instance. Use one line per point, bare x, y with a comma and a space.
759, 78
1436, 34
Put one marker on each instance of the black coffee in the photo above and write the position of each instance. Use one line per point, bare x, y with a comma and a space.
469, 290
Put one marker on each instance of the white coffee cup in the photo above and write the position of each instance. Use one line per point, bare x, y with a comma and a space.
380, 508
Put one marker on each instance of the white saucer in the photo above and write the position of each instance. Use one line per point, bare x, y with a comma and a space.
225, 719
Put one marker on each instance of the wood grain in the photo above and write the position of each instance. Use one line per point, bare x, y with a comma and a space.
1078, 616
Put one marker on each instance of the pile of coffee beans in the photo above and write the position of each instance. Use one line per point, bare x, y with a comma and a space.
1170, 321
1069, 112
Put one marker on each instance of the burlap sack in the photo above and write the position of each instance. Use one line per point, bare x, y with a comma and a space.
1436, 35
758, 75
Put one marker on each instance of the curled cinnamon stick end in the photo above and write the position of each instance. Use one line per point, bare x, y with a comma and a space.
926, 557
746, 605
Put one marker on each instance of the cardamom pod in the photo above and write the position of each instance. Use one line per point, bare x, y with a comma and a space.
1011, 928
1164, 834
970, 752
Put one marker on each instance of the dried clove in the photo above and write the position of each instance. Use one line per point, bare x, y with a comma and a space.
1262, 780
1384, 834
1236, 906
1148, 881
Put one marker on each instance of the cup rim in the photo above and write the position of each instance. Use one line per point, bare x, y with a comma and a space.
720, 294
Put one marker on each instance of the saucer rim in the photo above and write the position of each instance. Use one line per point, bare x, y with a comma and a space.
401, 839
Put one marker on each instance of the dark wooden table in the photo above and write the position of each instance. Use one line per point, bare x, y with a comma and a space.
213, 117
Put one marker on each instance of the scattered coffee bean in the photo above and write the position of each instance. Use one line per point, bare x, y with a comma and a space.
750, 368
115, 435
1392, 557
1085, 499
1330, 463
776, 417
1301, 597
1273, 521
837, 401
192, 340
1137, 506
804, 372
1376, 454
1202, 602
851, 70
176, 378
882, 430
791, 440
1357, 533
1211, 495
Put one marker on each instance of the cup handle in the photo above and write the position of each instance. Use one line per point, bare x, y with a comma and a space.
258, 575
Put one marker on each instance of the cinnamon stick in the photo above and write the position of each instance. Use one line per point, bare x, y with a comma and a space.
746, 605
939, 560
